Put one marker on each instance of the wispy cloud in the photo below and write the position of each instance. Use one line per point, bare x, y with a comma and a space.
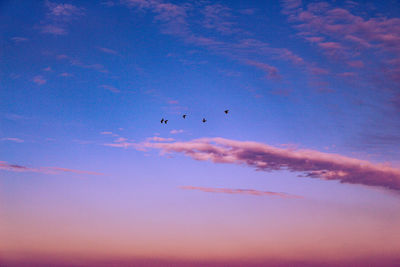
251, 192
107, 50
46, 170
77, 63
63, 11
263, 157
39, 80
12, 139
58, 17
65, 74
160, 139
271, 71
18, 39
110, 88
53, 29
174, 131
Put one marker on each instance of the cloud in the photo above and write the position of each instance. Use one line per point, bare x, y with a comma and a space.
271, 71
173, 102
108, 51
106, 133
171, 16
218, 17
125, 145
309, 163
46, 170
66, 74
110, 88
120, 140
58, 17
63, 11
39, 80
183, 21
12, 139
19, 39
174, 131
53, 29
251, 192
160, 139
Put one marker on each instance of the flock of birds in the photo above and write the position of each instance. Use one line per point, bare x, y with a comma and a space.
185, 115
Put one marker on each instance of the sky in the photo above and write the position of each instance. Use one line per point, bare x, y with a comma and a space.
303, 170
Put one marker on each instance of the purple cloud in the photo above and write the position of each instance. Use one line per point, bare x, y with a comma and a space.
12, 139
108, 50
271, 71
110, 88
53, 29
39, 80
63, 11
251, 192
19, 39
46, 170
264, 157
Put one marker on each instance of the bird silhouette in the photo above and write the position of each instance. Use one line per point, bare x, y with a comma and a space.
184, 116
165, 121
226, 111
162, 120
204, 120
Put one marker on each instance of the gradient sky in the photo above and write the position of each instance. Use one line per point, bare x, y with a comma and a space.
304, 169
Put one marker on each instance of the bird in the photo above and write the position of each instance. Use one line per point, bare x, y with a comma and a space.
204, 120
226, 111
184, 116
165, 121
162, 120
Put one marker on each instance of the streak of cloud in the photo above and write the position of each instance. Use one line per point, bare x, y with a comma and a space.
251, 192
12, 139
46, 170
263, 157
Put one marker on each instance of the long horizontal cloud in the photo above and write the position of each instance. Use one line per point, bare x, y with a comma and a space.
251, 192
264, 157
46, 170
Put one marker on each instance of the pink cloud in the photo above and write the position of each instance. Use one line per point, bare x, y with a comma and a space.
355, 64
66, 74
39, 80
63, 11
264, 157
271, 71
53, 29
125, 145
12, 139
314, 39
18, 39
106, 133
251, 192
218, 17
174, 131
110, 88
120, 140
46, 170
173, 102
172, 16
160, 139
108, 51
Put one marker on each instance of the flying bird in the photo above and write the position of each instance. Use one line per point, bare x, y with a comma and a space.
204, 120
165, 121
226, 111
184, 116
162, 120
